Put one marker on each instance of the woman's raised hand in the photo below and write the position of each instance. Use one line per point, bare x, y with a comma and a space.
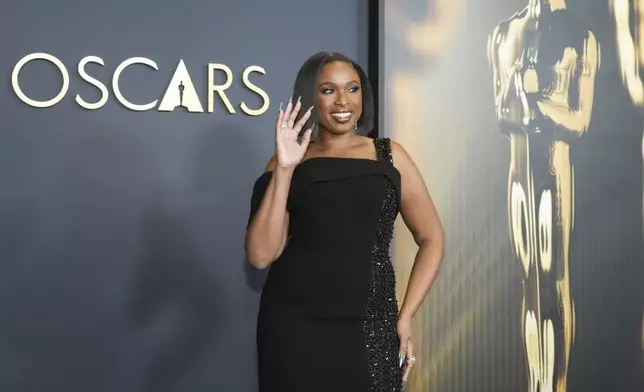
290, 151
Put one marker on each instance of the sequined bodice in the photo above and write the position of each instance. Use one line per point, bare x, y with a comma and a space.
336, 262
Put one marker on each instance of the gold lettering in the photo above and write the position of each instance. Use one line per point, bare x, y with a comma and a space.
39, 56
94, 82
220, 89
115, 83
179, 92
255, 89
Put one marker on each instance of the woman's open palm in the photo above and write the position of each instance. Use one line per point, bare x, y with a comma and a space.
290, 151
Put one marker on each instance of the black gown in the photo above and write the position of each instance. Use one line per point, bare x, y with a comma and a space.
327, 319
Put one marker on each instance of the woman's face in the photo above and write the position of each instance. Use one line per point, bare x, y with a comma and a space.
339, 97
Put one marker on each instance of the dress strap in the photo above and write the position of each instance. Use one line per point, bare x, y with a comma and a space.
383, 149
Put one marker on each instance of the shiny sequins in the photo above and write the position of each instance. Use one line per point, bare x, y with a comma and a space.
383, 149
381, 337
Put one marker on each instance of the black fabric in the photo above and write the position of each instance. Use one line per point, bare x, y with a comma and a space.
328, 309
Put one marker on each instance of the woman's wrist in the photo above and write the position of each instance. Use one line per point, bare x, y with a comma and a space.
282, 179
404, 315
282, 171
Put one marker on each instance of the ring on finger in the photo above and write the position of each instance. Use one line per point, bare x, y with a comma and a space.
284, 126
412, 359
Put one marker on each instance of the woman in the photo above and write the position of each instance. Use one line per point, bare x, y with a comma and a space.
322, 217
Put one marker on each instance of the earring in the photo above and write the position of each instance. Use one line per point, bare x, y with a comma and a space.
355, 127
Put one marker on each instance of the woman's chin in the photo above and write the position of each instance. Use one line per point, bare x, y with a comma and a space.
339, 129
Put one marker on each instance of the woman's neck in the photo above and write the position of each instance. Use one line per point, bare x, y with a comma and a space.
328, 141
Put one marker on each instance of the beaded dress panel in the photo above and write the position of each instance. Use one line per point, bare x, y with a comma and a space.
382, 306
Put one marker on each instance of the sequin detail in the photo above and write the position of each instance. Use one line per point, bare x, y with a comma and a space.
381, 336
383, 149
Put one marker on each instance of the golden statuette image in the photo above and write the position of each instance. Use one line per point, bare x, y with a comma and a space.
544, 63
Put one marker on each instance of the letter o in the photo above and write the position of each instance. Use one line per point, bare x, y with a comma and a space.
26, 99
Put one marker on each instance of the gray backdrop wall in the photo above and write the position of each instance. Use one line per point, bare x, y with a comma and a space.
121, 232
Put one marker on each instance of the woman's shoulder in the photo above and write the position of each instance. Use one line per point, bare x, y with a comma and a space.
390, 144
399, 155
395, 146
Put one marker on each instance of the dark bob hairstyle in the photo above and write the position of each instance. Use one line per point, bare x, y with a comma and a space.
308, 80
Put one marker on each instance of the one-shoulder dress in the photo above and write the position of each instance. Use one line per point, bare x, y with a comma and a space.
328, 310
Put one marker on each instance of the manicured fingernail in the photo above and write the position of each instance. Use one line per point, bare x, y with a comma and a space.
281, 106
299, 99
311, 108
402, 359
290, 99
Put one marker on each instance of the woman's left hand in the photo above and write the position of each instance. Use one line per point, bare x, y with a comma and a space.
406, 346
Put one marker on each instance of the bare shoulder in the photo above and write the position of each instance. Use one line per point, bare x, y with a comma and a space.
396, 147
271, 164
402, 160
398, 153
414, 192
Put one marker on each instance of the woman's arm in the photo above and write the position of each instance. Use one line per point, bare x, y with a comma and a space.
268, 230
420, 216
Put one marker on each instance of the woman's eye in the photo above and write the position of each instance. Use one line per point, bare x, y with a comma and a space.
330, 90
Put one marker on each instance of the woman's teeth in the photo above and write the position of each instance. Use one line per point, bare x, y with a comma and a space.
342, 115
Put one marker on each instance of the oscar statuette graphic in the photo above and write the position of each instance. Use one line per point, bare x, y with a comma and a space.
544, 64
628, 17
181, 88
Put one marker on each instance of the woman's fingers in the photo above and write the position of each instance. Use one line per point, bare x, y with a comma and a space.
300, 123
280, 116
292, 115
403, 351
287, 112
306, 138
286, 118
410, 360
